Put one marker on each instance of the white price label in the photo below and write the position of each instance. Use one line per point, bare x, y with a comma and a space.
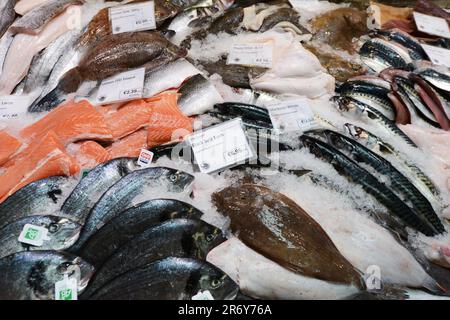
145, 158
66, 289
300, 3
437, 55
432, 25
122, 87
12, 107
292, 115
133, 17
251, 54
33, 235
221, 146
203, 295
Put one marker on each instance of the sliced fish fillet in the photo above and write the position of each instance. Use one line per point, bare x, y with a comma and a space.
24, 6
167, 122
8, 146
71, 122
43, 158
130, 146
88, 154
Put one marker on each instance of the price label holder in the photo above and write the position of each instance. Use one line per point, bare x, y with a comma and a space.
122, 87
437, 55
251, 55
133, 17
145, 158
66, 289
292, 115
221, 146
12, 107
203, 295
432, 25
33, 235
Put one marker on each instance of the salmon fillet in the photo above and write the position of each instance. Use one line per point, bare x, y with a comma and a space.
71, 122
41, 159
88, 154
8, 146
167, 122
130, 146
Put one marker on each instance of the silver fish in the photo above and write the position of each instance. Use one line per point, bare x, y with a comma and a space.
5, 43
439, 78
7, 15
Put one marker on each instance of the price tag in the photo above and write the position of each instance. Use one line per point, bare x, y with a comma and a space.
12, 107
66, 289
133, 17
203, 295
253, 55
292, 115
437, 55
221, 146
145, 158
33, 235
432, 25
300, 3
122, 87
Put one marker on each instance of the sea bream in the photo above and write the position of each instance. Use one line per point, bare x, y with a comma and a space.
7, 15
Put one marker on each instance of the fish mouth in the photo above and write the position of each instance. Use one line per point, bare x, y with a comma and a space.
233, 293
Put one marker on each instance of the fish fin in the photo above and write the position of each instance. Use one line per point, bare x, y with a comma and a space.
49, 101
435, 287
387, 292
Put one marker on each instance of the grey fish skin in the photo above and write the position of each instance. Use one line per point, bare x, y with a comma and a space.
120, 196
243, 110
5, 43
348, 104
91, 187
7, 15
374, 143
351, 170
31, 275
438, 79
131, 223
169, 279
181, 238
378, 57
415, 49
37, 198
399, 183
33, 21
62, 233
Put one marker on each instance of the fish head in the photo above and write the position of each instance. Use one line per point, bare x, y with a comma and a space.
356, 132
221, 286
62, 232
74, 266
176, 51
207, 238
178, 180
232, 199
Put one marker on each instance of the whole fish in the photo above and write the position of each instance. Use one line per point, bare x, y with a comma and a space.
233, 75
244, 110
439, 78
92, 186
353, 106
31, 275
37, 198
198, 95
169, 279
351, 170
416, 52
374, 143
397, 181
121, 195
275, 226
62, 233
130, 223
7, 15
33, 21
379, 56
114, 54
182, 238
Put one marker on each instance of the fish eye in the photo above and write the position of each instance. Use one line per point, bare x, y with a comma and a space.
64, 267
215, 283
210, 237
173, 178
53, 227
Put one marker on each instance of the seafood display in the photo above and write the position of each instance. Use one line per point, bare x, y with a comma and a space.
224, 150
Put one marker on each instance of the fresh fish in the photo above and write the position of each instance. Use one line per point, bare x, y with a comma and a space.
374, 143
31, 275
368, 182
169, 279
41, 197
279, 229
24, 6
348, 104
120, 196
414, 47
114, 54
262, 278
368, 93
437, 77
132, 222
397, 182
283, 17
243, 110
181, 25
62, 233
182, 238
92, 186
34, 21
7, 15
198, 95
5, 43
379, 56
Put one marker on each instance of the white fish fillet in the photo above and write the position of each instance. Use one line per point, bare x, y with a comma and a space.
23, 6
262, 278
24, 47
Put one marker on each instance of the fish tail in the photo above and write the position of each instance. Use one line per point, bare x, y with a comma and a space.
436, 287
49, 101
